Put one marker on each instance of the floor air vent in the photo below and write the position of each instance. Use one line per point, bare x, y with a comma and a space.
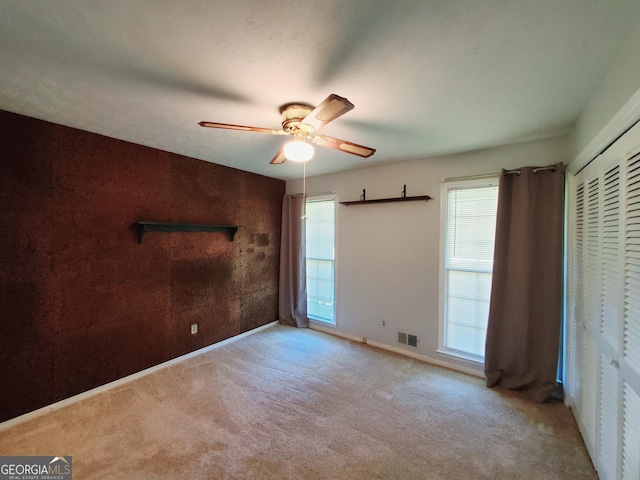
408, 339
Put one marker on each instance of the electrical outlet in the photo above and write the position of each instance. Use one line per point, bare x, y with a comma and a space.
194, 328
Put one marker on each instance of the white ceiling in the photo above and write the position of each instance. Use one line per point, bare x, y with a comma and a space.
427, 77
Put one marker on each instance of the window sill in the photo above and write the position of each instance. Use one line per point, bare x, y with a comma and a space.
471, 360
321, 321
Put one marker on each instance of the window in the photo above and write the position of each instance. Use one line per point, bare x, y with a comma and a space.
469, 224
320, 243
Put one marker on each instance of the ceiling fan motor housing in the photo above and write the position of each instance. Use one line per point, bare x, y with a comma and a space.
292, 115
302, 120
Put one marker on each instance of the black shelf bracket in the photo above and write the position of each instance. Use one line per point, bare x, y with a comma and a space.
387, 200
402, 198
144, 227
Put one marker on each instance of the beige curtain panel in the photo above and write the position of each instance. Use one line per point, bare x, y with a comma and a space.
292, 304
525, 313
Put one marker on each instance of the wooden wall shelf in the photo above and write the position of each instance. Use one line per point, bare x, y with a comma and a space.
144, 227
387, 200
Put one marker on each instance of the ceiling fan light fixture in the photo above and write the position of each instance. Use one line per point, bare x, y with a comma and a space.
302, 121
298, 151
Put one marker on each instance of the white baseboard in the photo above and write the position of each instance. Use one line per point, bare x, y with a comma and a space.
121, 381
333, 331
400, 351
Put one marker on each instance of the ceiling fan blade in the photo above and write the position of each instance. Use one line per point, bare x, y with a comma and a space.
344, 146
331, 108
279, 158
230, 126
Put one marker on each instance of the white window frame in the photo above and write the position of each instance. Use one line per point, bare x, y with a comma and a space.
445, 186
334, 198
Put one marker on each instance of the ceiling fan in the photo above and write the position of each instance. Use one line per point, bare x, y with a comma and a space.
302, 121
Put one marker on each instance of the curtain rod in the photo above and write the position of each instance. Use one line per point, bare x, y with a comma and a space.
517, 171
497, 174
471, 177
314, 194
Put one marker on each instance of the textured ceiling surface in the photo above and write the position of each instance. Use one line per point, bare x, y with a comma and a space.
427, 77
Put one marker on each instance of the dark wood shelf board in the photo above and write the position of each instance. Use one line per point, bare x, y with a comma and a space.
145, 227
388, 200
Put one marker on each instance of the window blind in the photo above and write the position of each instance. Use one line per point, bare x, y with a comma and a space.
468, 266
320, 242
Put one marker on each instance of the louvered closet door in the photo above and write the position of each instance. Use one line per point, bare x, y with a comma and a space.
603, 329
631, 325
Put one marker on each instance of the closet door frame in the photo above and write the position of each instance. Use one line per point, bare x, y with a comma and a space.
602, 385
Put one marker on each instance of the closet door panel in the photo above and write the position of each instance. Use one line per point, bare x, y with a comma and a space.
631, 322
608, 412
630, 433
574, 332
611, 252
603, 328
589, 394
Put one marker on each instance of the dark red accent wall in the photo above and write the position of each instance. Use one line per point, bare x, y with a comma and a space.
81, 302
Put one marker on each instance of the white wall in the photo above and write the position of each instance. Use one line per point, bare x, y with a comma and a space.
609, 109
387, 255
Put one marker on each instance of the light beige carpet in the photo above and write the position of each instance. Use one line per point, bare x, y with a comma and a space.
288, 403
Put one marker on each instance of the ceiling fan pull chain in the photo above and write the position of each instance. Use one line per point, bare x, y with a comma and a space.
304, 191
